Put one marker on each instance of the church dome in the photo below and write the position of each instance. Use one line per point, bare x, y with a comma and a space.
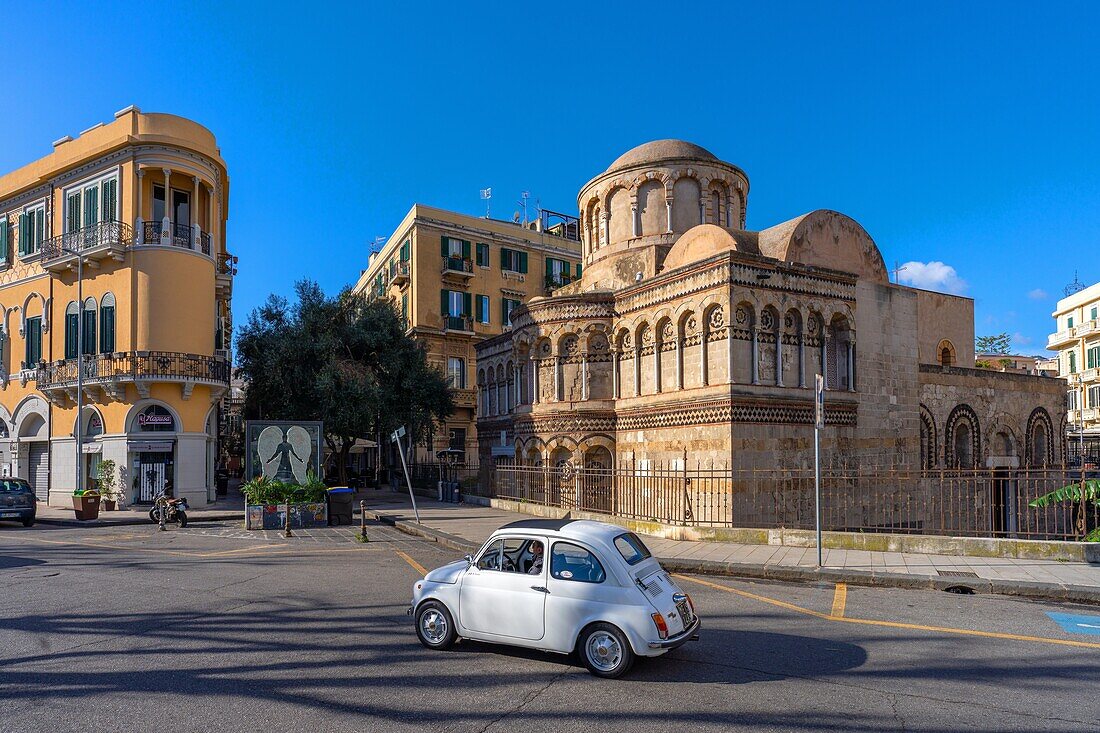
707, 240
658, 150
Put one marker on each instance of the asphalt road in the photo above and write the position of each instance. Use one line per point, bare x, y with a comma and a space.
202, 629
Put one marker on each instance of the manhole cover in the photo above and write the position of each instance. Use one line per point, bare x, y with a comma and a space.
957, 573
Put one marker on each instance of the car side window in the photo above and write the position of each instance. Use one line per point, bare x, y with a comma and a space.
573, 562
490, 558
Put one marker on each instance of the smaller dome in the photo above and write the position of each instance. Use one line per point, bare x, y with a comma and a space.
656, 150
701, 242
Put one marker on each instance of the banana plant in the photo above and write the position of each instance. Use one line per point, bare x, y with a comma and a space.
1072, 493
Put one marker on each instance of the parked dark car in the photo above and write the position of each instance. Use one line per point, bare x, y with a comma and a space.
17, 501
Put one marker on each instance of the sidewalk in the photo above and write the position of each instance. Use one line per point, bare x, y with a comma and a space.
227, 508
464, 527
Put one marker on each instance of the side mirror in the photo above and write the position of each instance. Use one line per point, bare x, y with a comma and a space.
469, 559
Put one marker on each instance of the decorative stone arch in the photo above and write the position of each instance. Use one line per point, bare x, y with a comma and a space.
90, 410
945, 353
31, 419
568, 344
962, 438
25, 309
1003, 440
7, 422
687, 323
929, 448
664, 332
714, 317
1039, 439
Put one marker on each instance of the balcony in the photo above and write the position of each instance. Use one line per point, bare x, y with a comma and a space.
458, 267
112, 372
458, 323
1088, 375
174, 234
224, 270
1086, 329
95, 243
1057, 340
399, 275
560, 280
464, 397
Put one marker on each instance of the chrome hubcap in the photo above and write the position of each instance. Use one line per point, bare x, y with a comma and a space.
604, 651
434, 625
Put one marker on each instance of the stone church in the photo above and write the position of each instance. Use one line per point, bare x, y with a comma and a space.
689, 338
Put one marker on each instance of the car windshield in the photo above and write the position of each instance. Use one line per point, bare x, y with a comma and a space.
13, 485
632, 548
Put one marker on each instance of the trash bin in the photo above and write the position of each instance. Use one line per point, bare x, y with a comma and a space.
221, 483
456, 492
86, 505
340, 502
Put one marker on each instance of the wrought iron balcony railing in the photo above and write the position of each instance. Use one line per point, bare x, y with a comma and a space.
179, 235
135, 366
458, 264
458, 323
226, 264
103, 234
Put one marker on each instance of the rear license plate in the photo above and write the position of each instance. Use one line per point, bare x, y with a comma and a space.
685, 613
6, 515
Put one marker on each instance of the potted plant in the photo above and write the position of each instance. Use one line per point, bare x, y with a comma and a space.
109, 487
86, 503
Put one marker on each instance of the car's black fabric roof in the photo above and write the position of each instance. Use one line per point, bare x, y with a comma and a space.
554, 525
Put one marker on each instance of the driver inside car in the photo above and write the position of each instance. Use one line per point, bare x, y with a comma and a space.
534, 562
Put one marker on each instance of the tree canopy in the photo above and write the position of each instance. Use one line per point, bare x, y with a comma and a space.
343, 360
1000, 343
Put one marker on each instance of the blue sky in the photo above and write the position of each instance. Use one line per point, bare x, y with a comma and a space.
963, 136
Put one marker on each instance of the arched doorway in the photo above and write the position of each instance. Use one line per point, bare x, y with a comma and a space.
596, 480
154, 452
33, 432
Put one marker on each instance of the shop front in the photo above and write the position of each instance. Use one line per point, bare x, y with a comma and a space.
151, 445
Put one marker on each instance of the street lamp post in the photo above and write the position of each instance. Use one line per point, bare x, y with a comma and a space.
1081, 521
78, 458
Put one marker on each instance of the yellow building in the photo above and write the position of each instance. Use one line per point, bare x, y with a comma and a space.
456, 279
142, 201
1077, 341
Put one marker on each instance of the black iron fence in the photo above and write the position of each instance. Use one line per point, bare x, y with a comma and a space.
105, 233
962, 503
458, 264
132, 365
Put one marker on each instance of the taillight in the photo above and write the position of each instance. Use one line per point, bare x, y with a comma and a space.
659, 622
691, 603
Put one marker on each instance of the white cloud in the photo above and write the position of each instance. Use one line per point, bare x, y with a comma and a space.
1037, 294
932, 276
1018, 339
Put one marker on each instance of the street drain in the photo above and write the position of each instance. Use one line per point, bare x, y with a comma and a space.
962, 590
957, 573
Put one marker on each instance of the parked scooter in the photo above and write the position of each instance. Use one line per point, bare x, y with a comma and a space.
174, 510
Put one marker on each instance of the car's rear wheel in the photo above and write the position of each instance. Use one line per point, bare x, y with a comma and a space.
434, 626
605, 651
28, 522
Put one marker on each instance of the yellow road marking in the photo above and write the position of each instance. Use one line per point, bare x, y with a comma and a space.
890, 624
271, 549
416, 566
840, 599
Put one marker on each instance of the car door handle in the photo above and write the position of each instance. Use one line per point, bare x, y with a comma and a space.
540, 589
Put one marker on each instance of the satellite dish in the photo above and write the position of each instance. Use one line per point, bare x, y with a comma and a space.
515, 218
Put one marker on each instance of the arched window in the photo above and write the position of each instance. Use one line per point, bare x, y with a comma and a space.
155, 418
107, 324
72, 312
89, 343
946, 353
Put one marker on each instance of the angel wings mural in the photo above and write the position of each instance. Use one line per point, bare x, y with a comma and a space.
284, 454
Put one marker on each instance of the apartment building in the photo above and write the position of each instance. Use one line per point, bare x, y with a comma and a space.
115, 288
1077, 341
456, 279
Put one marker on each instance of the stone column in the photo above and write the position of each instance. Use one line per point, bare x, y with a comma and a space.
729, 355
615, 393
638, 370
656, 366
559, 380
605, 230
635, 224
193, 210
778, 358
584, 377
801, 360
534, 381
166, 222
517, 380
210, 227
668, 214
755, 357
139, 220
851, 366
824, 359
679, 362
704, 367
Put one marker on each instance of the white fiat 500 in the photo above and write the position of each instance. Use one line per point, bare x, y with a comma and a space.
561, 586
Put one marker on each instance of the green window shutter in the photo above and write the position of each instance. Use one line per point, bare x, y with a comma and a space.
23, 234
443, 246
578, 271
3, 239
465, 250
523, 262
480, 310
40, 230
405, 251
466, 306
444, 302
549, 266
70, 335
91, 206
89, 332
107, 329
74, 212
565, 268
503, 258
503, 310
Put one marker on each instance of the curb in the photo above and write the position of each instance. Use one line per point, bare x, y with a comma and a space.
756, 571
137, 520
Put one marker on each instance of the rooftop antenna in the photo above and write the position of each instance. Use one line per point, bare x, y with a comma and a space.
376, 245
486, 194
524, 196
1074, 287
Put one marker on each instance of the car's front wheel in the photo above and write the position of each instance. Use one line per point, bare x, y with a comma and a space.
434, 626
605, 651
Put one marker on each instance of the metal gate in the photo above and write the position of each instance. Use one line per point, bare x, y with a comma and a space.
152, 471
38, 471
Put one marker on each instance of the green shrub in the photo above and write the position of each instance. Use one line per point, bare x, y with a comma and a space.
261, 490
